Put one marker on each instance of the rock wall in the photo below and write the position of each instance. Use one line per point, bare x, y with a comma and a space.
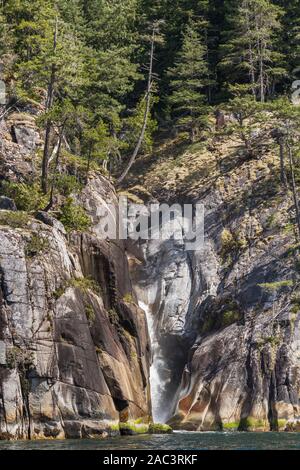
227, 318
74, 346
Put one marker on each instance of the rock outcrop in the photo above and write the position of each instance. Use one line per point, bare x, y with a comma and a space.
74, 347
19, 142
226, 318
224, 321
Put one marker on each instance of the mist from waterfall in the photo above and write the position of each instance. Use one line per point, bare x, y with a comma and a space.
157, 381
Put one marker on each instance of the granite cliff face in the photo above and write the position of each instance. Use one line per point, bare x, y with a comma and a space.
226, 318
224, 322
74, 347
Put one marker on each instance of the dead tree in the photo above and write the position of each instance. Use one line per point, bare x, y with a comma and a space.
279, 136
155, 31
294, 187
59, 144
49, 104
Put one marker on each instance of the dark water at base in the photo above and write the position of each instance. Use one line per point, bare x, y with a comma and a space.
175, 441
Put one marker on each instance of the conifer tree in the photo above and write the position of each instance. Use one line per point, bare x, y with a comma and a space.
189, 77
111, 39
3, 33
49, 57
97, 145
289, 43
248, 121
249, 51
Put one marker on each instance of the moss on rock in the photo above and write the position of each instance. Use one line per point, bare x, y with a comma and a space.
232, 426
252, 424
131, 428
157, 428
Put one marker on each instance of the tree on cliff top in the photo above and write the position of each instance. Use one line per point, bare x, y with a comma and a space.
250, 54
189, 79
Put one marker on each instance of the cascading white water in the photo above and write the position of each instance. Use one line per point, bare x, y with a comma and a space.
157, 382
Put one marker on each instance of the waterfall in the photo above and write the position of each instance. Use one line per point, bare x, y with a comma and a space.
157, 381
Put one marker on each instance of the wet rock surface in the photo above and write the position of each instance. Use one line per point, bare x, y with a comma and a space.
74, 345
226, 318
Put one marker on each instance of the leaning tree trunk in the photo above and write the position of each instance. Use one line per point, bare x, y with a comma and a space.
146, 114
294, 188
60, 139
283, 177
49, 104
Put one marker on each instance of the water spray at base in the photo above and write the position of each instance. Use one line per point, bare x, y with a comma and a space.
157, 382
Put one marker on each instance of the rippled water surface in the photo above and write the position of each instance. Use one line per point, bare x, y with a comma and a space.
175, 441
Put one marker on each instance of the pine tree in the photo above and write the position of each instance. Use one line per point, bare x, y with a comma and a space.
97, 145
175, 15
110, 23
49, 59
189, 77
249, 51
3, 33
6, 59
111, 38
248, 124
290, 35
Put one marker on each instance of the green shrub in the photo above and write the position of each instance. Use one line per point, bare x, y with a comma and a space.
272, 286
77, 166
27, 197
36, 245
288, 228
85, 284
133, 355
90, 314
139, 420
73, 217
66, 184
17, 358
128, 298
115, 427
230, 317
295, 301
227, 241
14, 219
273, 221
208, 324
113, 317
59, 292
272, 340
281, 424
225, 313
292, 251
231, 243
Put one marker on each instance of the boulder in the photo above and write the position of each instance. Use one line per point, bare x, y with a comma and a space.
26, 137
7, 204
48, 219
